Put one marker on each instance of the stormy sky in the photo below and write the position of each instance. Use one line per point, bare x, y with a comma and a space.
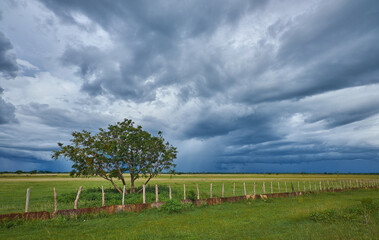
236, 86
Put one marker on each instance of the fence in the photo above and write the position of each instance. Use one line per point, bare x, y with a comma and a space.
296, 188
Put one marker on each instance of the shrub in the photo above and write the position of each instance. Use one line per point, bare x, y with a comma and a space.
191, 195
172, 206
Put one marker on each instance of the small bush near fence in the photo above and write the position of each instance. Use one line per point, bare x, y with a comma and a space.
175, 206
172, 206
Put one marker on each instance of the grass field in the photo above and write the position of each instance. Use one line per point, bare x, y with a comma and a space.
13, 188
340, 215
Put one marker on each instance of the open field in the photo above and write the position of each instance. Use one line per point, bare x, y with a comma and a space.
340, 215
13, 188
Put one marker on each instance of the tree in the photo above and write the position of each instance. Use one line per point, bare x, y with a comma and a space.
118, 149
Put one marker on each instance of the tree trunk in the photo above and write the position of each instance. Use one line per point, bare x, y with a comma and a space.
146, 183
132, 190
114, 185
121, 176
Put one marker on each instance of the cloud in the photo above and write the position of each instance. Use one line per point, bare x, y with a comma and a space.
7, 111
68, 119
8, 64
155, 52
236, 85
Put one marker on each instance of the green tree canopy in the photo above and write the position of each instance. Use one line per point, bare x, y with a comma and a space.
120, 148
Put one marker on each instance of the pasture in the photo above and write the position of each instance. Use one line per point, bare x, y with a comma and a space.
339, 215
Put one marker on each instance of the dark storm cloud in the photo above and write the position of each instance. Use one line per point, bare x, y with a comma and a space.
20, 155
7, 110
335, 45
151, 35
286, 152
8, 64
169, 18
259, 81
63, 118
340, 118
90, 62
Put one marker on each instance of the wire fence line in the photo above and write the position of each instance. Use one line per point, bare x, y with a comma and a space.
197, 191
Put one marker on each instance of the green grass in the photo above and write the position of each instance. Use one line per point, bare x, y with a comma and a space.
340, 215
13, 188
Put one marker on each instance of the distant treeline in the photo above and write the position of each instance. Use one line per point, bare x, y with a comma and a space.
269, 173
180, 173
30, 172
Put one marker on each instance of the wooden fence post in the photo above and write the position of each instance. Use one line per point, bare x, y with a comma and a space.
102, 196
304, 186
285, 186
272, 191
324, 184
310, 186
254, 188
198, 192
350, 183
293, 190
244, 189
341, 185
55, 201
156, 193
328, 184
315, 186
234, 189
264, 189
222, 190
144, 193
27, 200
320, 186
210, 191
123, 195
169, 191
184, 191
278, 187
298, 186
77, 198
